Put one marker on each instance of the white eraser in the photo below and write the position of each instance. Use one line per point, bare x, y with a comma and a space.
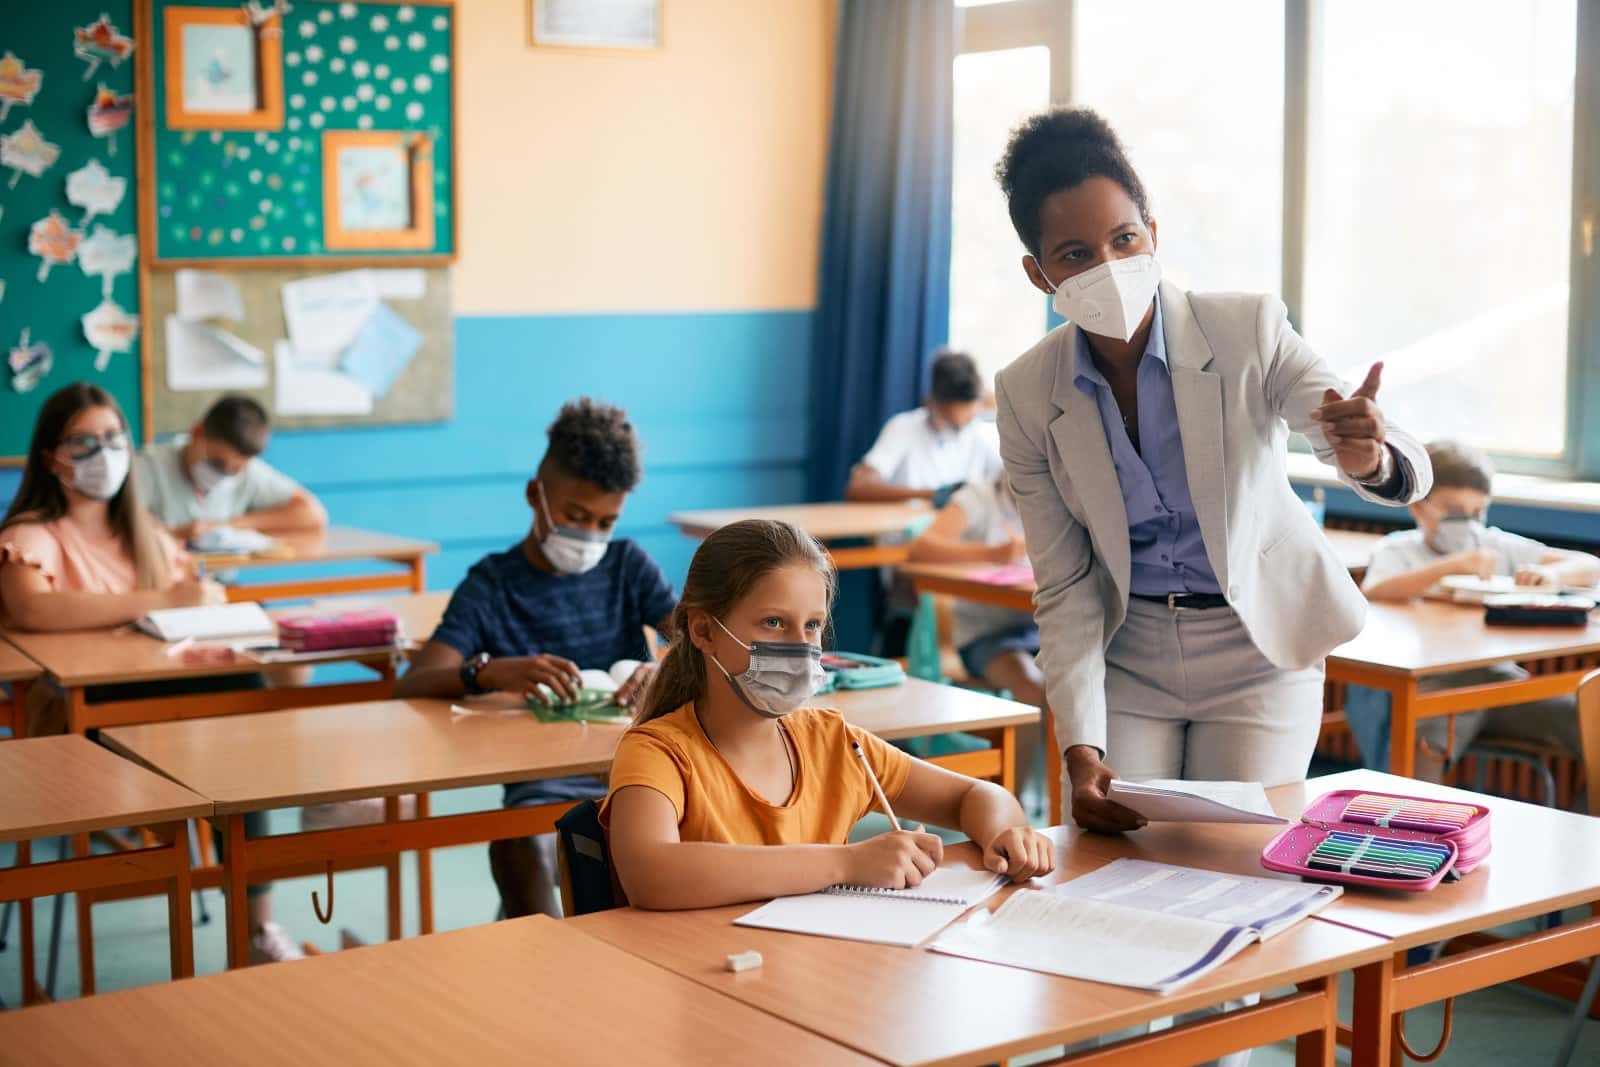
744, 961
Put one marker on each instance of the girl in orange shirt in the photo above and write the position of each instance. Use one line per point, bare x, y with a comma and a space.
728, 788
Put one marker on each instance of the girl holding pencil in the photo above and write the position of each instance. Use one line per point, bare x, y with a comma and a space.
730, 788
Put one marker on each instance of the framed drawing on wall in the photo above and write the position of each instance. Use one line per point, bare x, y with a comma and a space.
224, 69
631, 25
377, 190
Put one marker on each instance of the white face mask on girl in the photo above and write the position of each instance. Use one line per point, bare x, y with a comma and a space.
569, 549
1111, 299
100, 476
782, 675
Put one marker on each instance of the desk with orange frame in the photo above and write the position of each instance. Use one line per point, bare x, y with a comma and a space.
828, 523
337, 544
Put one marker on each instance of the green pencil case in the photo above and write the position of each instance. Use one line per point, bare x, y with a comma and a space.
853, 670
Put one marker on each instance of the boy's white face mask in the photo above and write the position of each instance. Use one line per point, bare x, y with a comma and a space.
1456, 534
1111, 299
569, 549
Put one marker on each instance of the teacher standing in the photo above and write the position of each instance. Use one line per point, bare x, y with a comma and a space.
1186, 599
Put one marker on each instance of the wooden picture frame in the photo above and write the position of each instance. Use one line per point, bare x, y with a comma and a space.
186, 69
604, 31
388, 156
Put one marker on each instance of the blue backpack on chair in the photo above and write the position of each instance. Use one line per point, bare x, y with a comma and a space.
588, 883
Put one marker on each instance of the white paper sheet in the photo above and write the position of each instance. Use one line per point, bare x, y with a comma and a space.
203, 358
396, 284
325, 313
1169, 800
299, 389
204, 294
1267, 904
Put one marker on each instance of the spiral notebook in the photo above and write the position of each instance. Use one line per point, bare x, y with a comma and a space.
886, 916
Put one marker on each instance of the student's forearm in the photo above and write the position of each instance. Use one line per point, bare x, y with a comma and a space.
986, 810
697, 874
429, 682
1580, 568
301, 513
1411, 584
927, 549
871, 488
82, 611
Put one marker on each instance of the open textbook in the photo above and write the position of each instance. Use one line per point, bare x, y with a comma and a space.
1135, 923
887, 916
1166, 800
245, 619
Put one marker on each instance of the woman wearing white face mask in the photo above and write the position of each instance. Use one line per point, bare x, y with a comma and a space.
77, 549
1185, 597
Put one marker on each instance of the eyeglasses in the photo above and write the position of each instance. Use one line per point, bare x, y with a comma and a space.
87, 445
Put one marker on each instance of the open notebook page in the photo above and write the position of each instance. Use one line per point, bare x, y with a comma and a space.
887, 916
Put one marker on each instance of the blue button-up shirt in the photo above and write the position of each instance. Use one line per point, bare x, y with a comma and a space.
1168, 554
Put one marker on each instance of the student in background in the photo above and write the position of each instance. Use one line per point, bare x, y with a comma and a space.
937, 446
566, 597
78, 551
1452, 538
730, 787
214, 476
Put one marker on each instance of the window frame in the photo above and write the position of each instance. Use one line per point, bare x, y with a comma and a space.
1024, 23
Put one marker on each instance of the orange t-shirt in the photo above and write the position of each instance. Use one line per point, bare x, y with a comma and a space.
74, 562
673, 756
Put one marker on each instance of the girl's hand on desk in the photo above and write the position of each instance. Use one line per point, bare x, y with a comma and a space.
896, 860
196, 593
1020, 853
1092, 808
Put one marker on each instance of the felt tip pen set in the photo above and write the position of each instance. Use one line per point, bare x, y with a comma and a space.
1382, 840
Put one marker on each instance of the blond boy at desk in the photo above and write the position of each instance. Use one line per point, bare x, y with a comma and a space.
1452, 538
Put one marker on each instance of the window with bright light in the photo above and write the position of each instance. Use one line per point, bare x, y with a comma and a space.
995, 314
1439, 214
1195, 92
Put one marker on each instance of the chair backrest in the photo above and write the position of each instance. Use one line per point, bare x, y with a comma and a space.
1589, 733
588, 882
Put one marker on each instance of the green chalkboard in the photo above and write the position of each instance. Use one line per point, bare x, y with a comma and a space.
236, 195
41, 35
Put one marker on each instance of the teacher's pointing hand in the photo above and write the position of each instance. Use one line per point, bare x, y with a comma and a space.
1354, 427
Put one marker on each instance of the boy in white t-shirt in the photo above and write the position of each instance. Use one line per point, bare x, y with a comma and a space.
1452, 538
936, 446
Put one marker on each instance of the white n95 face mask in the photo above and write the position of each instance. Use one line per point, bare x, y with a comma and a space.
1456, 534
1111, 299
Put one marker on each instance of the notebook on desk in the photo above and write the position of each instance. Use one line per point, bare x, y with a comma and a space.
245, 619
886, 916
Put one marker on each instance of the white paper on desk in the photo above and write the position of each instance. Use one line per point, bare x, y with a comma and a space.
1167, 800
204, 358
887, 916
204, 294
399, 284
302, 390
325, 313
1267, 905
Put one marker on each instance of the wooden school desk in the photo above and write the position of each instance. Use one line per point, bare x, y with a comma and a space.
337, 544
391, 748
1544, 860
827, 523
1404, 643
527, 990
75, 660
51, 786
912, 1007
17, 672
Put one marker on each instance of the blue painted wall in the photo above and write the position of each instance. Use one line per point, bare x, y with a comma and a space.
719, 400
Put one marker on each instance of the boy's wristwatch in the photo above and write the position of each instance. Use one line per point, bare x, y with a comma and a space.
470, 671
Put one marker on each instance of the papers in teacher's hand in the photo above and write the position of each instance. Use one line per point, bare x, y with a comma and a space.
886, 916
245, 619
1168, 800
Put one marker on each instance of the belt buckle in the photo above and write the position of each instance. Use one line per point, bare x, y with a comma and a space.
1172, 602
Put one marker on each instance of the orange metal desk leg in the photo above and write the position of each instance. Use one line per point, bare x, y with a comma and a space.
424, 874
1403, 728
30, 986
235, 890
1372, 1015
1316, 1048
179, 923
391, 874
85, 905
419, 582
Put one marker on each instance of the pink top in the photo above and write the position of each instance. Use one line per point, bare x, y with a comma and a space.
73, 561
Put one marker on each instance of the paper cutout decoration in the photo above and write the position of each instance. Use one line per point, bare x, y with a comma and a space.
18, 83
109, 329
259, 13
106, 254
53, 241
93, 188
29, 363
98, 41
108, 114
26, 151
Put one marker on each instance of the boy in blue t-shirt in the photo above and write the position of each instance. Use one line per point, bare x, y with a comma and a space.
566, 597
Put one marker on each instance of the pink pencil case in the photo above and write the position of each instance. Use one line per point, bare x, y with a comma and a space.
323, 633
1289, 851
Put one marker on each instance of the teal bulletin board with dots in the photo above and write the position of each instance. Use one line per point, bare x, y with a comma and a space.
41, 36
222, 197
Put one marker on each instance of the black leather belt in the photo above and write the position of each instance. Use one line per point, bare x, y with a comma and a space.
1187, 601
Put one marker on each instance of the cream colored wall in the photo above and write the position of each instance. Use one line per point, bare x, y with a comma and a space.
686, 179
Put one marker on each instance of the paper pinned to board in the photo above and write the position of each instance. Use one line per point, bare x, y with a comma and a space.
399, 283
302, 388
324, 314
204, 294
381, 351
203, 358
